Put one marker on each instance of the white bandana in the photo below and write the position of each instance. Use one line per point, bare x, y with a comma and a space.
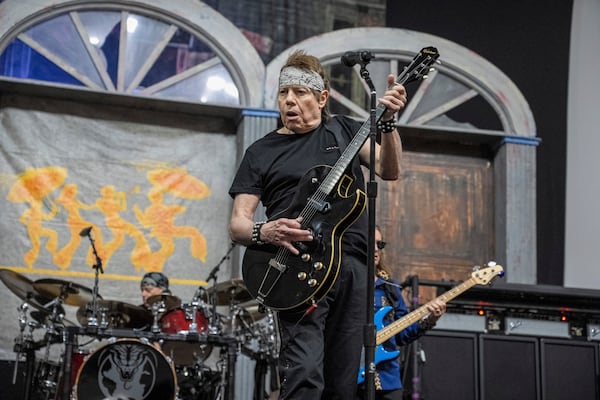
292, 76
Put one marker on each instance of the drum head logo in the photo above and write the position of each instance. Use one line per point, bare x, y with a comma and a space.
129, 370
126, 370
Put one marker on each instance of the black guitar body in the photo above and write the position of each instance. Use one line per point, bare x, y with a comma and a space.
283, 281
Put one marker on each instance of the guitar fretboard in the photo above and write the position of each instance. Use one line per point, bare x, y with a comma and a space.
387, 332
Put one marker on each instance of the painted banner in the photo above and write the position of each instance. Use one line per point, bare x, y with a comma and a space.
155, 198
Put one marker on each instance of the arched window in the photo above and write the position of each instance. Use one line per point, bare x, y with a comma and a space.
133, 49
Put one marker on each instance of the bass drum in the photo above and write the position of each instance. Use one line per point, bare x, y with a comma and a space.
126, 369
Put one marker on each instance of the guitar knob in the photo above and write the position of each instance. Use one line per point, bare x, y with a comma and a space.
302, 275
318, 266
305, 257
312, 282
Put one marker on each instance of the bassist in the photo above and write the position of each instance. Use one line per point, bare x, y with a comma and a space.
388, 293
320, 344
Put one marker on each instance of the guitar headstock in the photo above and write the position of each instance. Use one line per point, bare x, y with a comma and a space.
419, 66
485, 275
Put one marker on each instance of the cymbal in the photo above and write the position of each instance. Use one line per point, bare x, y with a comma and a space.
171, 302
23, 288
116, 314
71, 293
231, 291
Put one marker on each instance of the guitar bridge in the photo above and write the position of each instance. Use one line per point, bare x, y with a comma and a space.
277, 265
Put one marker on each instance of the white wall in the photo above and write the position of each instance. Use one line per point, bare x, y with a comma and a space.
582, 236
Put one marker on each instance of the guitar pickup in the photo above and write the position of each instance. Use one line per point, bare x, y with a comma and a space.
277, 265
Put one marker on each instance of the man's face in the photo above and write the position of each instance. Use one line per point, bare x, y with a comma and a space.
377, 254
149, 291
300, 108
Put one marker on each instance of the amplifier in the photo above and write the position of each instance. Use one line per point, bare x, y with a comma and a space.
535, 327
461, 322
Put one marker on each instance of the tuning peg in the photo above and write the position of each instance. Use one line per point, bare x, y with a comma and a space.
491, 263
476, 268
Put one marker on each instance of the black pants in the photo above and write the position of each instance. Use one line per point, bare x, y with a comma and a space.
320, 353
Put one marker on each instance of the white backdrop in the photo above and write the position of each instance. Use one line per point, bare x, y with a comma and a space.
582, 235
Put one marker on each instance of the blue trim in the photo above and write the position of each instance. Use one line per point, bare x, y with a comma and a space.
257, 112
521, 140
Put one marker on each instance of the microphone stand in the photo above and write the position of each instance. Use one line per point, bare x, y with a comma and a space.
93, 319
369, 329
416, 345
212, 326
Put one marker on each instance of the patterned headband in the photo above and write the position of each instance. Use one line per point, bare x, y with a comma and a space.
293, 76
155, 279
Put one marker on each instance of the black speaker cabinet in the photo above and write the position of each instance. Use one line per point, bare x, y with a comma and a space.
450, 370
569, 370
481, 366
509, 367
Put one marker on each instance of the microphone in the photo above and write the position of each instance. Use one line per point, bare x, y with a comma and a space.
86, 231
213, 273
351, 58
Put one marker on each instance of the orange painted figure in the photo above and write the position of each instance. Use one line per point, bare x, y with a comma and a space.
75, 222
160, 217
111, 204
32, 187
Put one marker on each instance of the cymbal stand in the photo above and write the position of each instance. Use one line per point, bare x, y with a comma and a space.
19, 340
198, 303
158, 307
223, 367
24, 344
55, 317
93, 318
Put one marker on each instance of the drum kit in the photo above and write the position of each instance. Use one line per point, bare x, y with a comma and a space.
117, 350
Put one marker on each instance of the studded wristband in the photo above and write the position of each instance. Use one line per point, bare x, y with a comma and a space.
256, 233
386, 126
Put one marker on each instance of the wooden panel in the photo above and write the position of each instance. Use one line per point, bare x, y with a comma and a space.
438, 218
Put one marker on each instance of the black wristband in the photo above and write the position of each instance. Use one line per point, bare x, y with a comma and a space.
386, 126
256, 233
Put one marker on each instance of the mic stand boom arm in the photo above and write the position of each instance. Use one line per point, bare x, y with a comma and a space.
93, 318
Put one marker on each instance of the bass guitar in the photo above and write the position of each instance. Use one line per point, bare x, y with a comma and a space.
482, 276
328, 203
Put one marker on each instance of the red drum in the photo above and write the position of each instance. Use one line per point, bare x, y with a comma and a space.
179, 321
77, 359
126, 369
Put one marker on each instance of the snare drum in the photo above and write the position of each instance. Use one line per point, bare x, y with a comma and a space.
126, 369
179, 321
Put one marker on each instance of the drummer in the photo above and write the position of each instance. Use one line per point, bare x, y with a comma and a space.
153, 284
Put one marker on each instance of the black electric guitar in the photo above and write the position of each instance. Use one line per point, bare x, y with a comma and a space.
329, 203
482, 276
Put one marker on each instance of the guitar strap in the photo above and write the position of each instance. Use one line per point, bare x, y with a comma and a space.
334, 125
391, 294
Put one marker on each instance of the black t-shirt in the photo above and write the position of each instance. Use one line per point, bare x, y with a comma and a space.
273, 166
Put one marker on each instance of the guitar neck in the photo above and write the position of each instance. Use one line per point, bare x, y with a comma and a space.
349, 153
397, 326
414, 71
